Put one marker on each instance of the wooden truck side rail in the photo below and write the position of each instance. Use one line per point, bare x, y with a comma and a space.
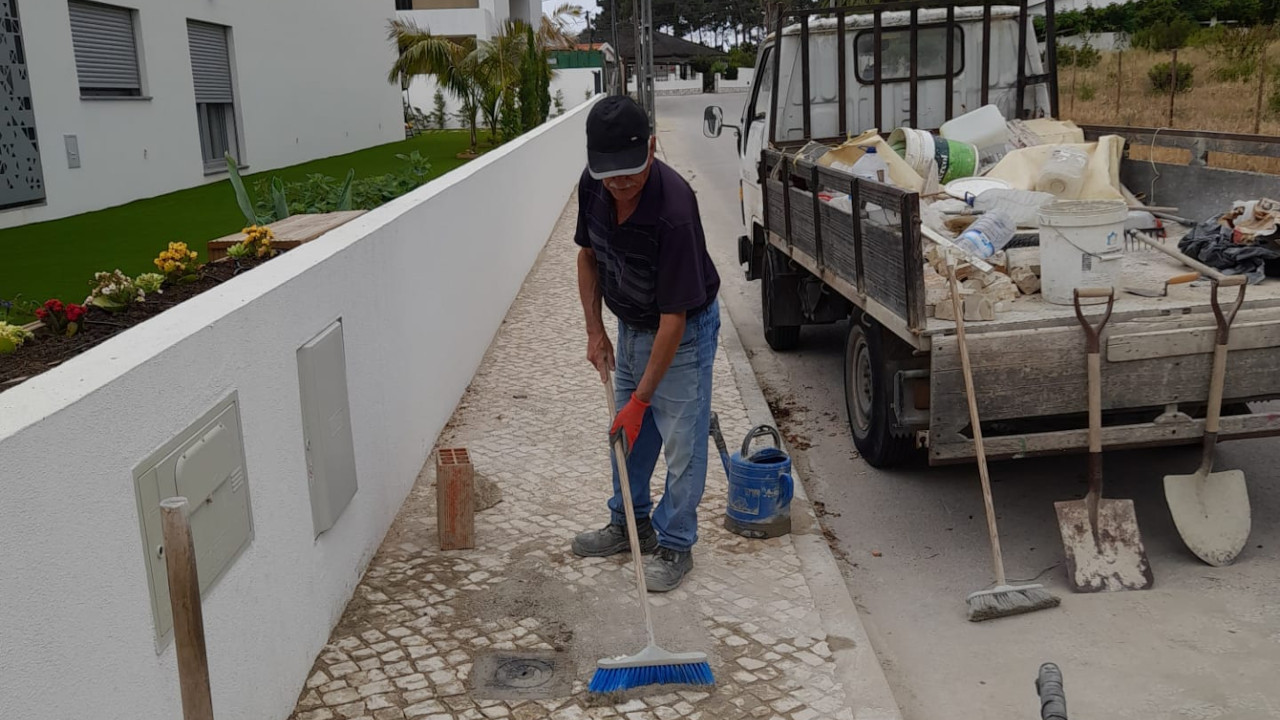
875, 261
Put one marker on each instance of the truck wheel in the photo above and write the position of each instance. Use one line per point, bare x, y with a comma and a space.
772, 287
868, 393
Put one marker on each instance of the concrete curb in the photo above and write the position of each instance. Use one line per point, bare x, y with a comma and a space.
866, 687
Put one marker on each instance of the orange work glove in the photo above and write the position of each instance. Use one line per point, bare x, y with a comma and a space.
629, 420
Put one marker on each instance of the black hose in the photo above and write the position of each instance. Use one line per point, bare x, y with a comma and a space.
1053, 701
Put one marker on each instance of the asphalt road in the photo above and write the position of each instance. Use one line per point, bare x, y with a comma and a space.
1203, 643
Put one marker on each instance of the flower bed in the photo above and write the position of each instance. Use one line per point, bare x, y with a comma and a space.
116, 303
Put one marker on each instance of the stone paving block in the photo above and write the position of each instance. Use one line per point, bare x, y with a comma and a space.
352, 710
430, 707
410, 639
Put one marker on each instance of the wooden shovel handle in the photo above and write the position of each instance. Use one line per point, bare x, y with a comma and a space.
1184, 278
1188, 261
1093, 333
1094, 292
1225, 319
1217, 380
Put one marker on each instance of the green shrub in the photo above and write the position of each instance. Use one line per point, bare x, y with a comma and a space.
320, 193
1163, 36
743, 55
1088, 56
1238, 51
1086, 92
1160, 77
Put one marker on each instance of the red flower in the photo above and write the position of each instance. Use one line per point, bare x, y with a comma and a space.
54, 304
42, 313
75, 312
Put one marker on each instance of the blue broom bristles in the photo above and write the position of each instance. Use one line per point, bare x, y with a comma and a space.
616, 679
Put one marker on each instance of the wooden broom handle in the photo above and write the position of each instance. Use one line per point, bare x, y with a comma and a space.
617, 445
997, 558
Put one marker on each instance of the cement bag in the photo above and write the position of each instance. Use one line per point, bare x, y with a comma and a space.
1021, 168
843, 158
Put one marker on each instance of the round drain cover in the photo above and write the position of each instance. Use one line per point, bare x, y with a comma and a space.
524, 673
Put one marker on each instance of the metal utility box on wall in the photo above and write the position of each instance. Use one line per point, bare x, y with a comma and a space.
205, 464
326, 426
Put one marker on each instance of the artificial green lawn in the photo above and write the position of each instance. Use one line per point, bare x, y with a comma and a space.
58, 258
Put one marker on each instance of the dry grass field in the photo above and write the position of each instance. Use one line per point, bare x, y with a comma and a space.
1117, 91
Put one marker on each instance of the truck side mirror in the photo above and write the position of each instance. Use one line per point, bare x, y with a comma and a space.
712, 121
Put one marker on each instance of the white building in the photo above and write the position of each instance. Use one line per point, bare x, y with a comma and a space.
481, 20
110, 102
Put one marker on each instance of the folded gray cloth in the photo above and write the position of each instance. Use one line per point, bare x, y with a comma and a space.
1210, 243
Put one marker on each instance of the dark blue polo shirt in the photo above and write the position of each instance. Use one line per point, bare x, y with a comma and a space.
656, 262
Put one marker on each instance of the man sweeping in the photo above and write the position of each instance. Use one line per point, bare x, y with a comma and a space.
644, 254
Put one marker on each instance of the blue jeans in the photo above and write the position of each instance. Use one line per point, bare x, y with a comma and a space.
678, 422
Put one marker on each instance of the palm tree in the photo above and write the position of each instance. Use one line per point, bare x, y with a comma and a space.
454, 65
554, 32
499, 72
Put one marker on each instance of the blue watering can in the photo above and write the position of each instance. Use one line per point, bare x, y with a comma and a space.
760, 485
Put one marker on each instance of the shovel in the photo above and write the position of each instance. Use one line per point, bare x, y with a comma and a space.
1101, 539
1211, 509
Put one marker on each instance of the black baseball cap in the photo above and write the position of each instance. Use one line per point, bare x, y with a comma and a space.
617, 138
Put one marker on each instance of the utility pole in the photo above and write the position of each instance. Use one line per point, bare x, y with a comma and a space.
644, 60
620, 63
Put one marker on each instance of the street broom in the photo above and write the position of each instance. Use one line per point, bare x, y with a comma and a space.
1003, 599
652, 665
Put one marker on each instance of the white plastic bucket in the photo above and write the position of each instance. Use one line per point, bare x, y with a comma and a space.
1081, 245
984, 128
950, 159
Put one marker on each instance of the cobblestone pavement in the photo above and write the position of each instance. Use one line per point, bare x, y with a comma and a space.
424, 628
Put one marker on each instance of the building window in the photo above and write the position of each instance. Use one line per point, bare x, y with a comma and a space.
404, 4
106, 48
895, 54
215, 98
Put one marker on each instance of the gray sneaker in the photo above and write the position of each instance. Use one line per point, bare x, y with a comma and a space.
612, 539
667, 569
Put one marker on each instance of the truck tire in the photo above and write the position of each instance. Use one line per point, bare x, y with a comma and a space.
778, 286
868, 393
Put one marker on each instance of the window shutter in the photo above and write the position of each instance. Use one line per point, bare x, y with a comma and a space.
105, 48
210, 62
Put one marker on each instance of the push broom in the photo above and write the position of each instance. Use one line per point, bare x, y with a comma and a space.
652, 665
1003, 599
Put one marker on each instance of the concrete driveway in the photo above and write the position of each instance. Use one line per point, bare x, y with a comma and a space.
1203, 643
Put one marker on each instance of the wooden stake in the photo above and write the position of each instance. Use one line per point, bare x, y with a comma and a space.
455, 499
1075, 72
1173, 84
184, 601
1119, 80
1262, 84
